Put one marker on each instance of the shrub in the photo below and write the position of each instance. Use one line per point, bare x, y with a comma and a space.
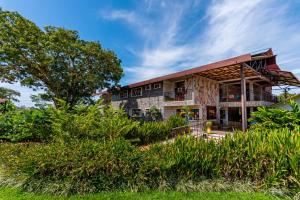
150, 132
95, 122
77, 167
267, 158
153, 114
176, 121
274, 118
24, 125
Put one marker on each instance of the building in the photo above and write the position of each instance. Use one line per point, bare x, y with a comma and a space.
225, 91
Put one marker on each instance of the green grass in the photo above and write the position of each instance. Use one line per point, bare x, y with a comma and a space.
15, 194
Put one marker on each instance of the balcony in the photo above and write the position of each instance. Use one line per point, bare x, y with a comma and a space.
173, 98
236, 97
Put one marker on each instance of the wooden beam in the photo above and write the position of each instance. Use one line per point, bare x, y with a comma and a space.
243, 98
238, 79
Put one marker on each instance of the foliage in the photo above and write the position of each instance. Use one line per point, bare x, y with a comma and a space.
25, 124
154, 114
274, 118
208, 124
7, 106
176, 121
9, 94
150, 132
285, 96
76, 167
266, 158
186, 112
54, 59
96, 122
40, 101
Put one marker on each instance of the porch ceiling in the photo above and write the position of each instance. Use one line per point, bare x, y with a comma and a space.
228, 72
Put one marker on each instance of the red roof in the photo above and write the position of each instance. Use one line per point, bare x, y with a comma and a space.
271, 66
223, 63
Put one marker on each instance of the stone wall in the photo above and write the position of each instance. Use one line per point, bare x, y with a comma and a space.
206, 94
141, 103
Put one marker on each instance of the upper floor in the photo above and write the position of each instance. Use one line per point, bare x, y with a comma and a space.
215, 84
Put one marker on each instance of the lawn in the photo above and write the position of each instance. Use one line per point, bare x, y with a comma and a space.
15, 194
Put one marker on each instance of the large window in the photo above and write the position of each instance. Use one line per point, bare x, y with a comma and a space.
136, 92
156, 85
211, 112
148, 87
124, 94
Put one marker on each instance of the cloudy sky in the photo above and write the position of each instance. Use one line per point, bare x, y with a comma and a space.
157, 37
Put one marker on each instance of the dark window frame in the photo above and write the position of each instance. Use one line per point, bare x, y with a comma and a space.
211, 112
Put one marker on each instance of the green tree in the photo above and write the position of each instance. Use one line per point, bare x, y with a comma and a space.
55, 60
9, 94
285, 96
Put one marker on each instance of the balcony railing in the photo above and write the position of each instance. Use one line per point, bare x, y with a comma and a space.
255, 97
178, 96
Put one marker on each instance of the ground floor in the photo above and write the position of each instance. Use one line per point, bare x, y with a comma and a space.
226, 118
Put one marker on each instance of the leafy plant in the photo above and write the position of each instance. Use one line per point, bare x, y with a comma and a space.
274, 118
176, 121
267, 158
96, 122
154, 114
25, 124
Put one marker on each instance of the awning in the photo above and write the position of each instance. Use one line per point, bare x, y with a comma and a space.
283, 78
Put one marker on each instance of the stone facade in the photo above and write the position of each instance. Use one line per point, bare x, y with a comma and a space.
149, 98
204, 93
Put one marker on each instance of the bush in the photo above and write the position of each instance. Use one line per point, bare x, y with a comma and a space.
150, 132
153, 114
176, 121
95, 122
267, 158
77, 167
25, 124
274, 118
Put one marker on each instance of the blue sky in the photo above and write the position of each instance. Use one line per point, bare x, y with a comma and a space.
156, 37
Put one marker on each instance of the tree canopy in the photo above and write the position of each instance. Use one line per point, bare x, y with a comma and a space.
54, 59
9, 94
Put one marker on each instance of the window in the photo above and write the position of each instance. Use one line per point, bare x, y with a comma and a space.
156, 85
135, 112
211, 112
115, 97
195, 114
148, 87
136, 92
124, 94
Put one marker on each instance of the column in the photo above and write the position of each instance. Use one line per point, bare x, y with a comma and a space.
243, 99
251, 91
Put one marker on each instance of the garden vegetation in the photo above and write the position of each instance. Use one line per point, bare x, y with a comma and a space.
90, 149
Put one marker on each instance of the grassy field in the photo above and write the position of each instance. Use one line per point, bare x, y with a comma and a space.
14, 194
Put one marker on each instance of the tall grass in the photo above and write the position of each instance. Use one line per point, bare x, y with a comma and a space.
265, 158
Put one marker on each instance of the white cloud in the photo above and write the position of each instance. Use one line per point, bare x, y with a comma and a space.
127, 16
227, 28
